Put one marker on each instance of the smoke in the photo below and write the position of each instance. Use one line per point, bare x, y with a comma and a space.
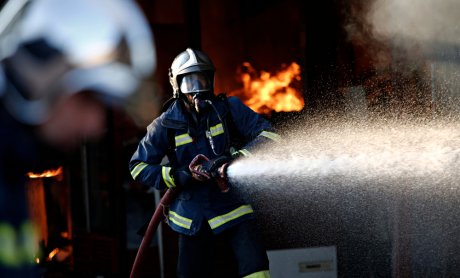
416, 42
419, 20
428, 28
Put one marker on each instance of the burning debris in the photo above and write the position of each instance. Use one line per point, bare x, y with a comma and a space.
49, 209
46, 174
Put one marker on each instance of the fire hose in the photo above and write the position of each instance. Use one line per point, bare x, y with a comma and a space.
199, 173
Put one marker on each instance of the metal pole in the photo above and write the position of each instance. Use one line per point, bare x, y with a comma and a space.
85, 177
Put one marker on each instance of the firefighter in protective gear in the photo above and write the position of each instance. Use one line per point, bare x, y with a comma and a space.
62, 69
198, 122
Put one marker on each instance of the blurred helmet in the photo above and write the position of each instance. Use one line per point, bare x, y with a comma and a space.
64, 47
191, 71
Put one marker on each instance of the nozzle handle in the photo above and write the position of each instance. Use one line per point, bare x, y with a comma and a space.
222, 179
196, 168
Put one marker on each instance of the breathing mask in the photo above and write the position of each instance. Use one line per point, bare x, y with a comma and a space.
198, 89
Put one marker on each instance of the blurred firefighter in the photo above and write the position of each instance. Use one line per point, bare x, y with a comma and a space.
69, 61
197, 122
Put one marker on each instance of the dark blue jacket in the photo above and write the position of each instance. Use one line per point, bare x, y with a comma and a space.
202, 201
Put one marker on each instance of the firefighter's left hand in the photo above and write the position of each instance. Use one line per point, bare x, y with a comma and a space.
182, 177
212, 166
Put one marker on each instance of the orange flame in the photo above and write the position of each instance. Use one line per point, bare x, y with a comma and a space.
52, 254
266, 92
45, 174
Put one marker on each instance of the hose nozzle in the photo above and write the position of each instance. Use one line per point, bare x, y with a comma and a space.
222, 178
202, 169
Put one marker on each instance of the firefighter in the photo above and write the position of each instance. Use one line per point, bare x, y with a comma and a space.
63, 63
197, 122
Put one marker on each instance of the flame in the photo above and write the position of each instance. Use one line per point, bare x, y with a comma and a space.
266, 92
45, 174
52, 254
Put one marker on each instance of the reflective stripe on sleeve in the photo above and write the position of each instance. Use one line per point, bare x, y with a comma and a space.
222, 219
183, 139
138, 169
165, 173
259, 274
270, 135
245, 152
217, 130
180, 220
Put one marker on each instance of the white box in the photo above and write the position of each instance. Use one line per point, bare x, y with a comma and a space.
316, 262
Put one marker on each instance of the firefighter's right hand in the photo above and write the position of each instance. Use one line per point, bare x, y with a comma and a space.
182, 177
197, 169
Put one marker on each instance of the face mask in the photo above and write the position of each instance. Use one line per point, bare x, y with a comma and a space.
194, 83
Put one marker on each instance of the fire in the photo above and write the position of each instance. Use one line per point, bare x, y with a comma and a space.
266, 92
52, 254
46, 174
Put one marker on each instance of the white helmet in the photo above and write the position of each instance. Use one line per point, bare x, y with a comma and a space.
64, 47
188, 62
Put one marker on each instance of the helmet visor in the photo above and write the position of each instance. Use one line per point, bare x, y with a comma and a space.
194, 83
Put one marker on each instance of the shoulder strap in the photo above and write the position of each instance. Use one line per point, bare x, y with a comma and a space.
171, 151
235, 138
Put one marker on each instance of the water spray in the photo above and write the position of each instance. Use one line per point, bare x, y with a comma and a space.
376, 191
390, 151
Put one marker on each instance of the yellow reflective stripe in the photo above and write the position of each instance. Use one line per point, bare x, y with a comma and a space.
138, 169
245, 152
183, 139
180, 220
18, 247
260, 274
270, 135
222, 219
217, 130
165, 173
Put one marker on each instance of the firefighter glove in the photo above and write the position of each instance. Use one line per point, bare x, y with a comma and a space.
212, 166
182, 177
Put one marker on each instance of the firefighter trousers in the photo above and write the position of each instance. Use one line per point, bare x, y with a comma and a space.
236, 252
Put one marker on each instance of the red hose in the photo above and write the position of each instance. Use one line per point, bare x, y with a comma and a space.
157, 216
